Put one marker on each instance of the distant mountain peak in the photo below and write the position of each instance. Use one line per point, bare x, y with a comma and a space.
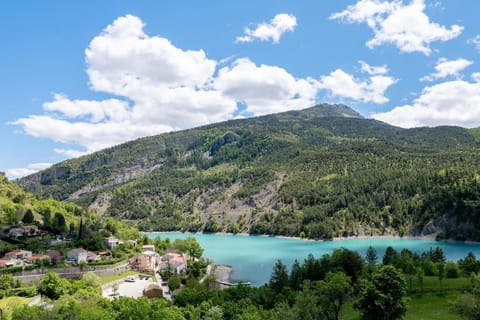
334, 110
325, 110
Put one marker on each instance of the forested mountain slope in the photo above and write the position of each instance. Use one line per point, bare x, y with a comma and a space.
319, 172
18, 207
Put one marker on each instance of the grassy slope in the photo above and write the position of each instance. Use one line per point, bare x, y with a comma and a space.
8, 304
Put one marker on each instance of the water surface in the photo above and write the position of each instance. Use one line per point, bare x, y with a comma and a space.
252, 257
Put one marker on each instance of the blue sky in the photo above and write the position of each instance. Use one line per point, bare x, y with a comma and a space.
78, 76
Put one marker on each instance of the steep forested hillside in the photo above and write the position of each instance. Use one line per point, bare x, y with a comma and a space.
320, 172
19, 207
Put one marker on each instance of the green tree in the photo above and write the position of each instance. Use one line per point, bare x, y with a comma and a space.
29, 313
174, 282
441, 274
28, 217
333, 293
347, 261
58, 223
383, 296
468, 304
53, 286
389, 256
193, 248
469, 264
371, 257
420, 277
296, 278
451, 270
279, 277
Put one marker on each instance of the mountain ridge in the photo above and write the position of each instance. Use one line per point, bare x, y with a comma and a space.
300, 173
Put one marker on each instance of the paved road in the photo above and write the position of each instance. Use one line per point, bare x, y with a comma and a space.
128, 289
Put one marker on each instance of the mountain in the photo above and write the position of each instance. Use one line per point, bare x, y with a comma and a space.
319, 173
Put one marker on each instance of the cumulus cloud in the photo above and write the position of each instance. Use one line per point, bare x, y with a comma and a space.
94, 111
16, 173
448, 103
404, 25
265, 89
475, 41
371, 89
159, 87
446, 68
270, 31
167, 88
373, 70
476, 76
69, 153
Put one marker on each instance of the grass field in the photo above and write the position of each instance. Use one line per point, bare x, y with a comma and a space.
433, 284
420, 307
430, 305
7, 305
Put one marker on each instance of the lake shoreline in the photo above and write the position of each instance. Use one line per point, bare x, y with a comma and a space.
363, 237
253, 257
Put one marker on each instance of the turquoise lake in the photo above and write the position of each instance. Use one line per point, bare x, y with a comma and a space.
252, 257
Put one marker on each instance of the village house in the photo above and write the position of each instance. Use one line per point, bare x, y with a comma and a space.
55, 256
15, 232
111, 242
18, 254
144, 261
7, 263
77, 255
148, 247
174, 262
92, 256
36, 257
27, 230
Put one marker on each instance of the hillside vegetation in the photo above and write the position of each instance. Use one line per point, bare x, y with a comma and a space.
18, 207
320, 172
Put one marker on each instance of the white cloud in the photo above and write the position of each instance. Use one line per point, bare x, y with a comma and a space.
123, 57
158, 88
16, 173
265, 89
448, 103
167, 88
476, 76
95, 111
69, 153
372, 89
446, 68
404, 25
91, 136
475, 41
373, 70
271, 31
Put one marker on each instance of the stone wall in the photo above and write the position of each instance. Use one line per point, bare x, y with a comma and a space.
29, 276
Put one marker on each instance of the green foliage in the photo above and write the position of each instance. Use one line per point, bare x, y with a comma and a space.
451, 270
334, 292
52, 286
383, 296
28, 217
279, 278
312, 172
468, 304
371, 256
174, 282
